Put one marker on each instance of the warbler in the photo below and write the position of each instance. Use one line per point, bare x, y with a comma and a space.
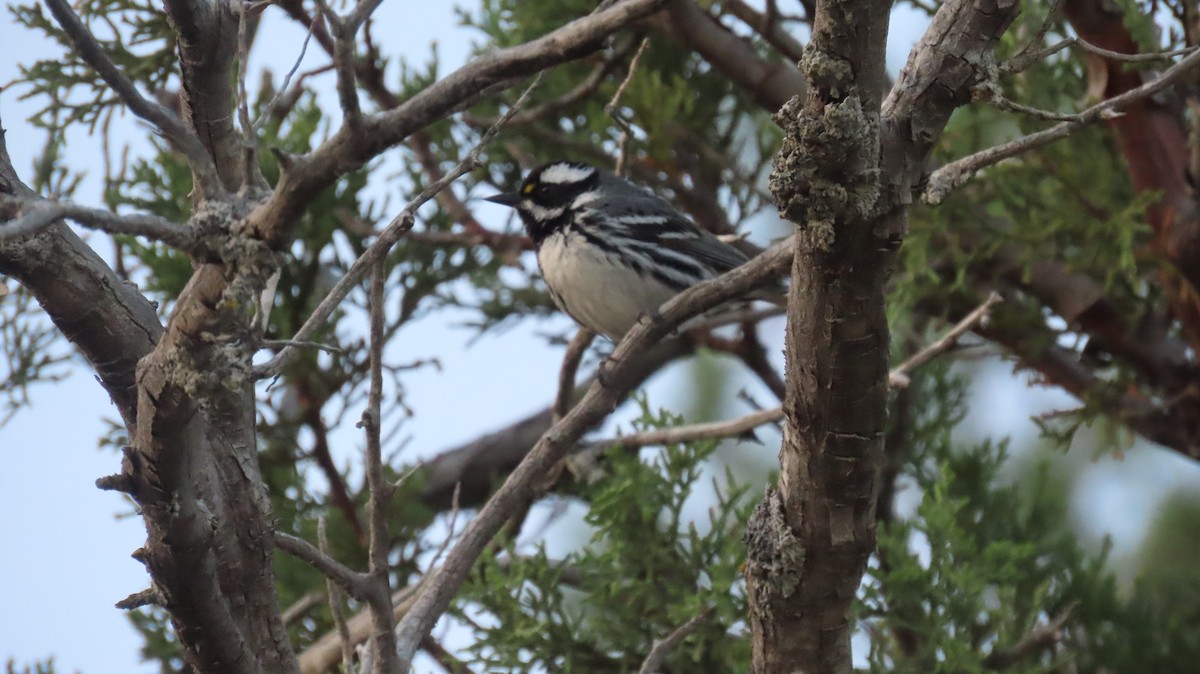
611, 251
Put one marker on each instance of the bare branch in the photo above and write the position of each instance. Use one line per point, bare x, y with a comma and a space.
40, 214
380, 491
335, 603
349, 580
384, 242
1023, 56
580, 91
600, 399
147, 597
362, 11
343, 62
326, 651
663, 647
437, 554
1020, 62
770, 84
898, 377
172, 128
1039, 638
712, 430
956, 173
301, 606
343, 152
444, 658
269, 110
480, 464
570, 366
611, 108
768, 26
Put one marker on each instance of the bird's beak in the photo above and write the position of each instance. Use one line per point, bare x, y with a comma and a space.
505, 199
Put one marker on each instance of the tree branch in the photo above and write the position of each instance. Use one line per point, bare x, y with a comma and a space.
663, 647
345, 151
599, 401
478, 465
898, 377
1039, 638
768, 84
380, 491
570, 366
111, 324
207, 38
39, 214
204, 171
384, 242
951, 176
353, 582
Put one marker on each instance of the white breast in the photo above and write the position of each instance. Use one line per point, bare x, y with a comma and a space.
588, 284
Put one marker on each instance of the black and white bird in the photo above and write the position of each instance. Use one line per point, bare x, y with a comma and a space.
609, 250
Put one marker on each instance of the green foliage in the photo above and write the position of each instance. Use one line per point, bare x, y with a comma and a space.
133, 33
40, 667
29, 350
656, 559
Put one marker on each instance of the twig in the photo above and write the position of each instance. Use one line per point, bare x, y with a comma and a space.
386, 239
343, 62
579, 92
280, 343
349, 580
301, 606
1020, 62
663, 647
1047, 23
1039, 638
326, 651
444, 657
251, 172
611, 108
949, 177
335, 604
147, 597
990, 92
41, 214
378, 489
712, 430
270, 108
570, 366
768, 26
437, 555
172, 128
362, 12
600, 399
898, 377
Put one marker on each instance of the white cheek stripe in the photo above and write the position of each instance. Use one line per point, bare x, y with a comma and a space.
541, 213
565, 174
585, 198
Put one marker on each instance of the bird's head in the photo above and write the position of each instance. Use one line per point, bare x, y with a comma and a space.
548, 195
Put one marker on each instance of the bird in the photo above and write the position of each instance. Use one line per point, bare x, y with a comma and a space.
611, 251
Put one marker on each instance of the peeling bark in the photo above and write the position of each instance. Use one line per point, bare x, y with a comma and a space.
845, 175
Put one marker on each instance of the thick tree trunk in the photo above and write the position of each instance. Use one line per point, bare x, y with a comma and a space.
846, 175
810, 540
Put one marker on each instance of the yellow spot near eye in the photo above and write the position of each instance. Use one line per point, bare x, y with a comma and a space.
528, 188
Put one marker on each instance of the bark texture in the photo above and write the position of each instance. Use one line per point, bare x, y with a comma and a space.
845, 176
